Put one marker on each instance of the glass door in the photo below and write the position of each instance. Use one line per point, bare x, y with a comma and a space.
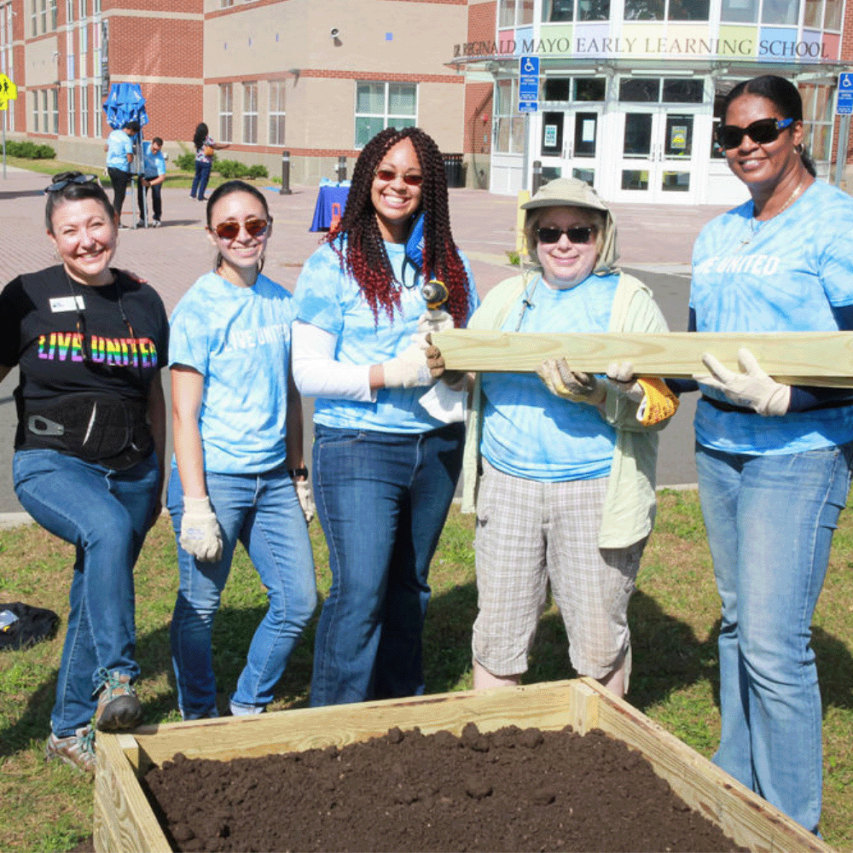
656, 161
570, 146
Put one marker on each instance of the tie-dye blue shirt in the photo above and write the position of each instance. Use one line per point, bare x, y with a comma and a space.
238, 339
530, 432
328, 298
782, 275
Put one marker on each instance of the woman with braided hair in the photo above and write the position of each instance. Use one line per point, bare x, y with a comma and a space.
385, 467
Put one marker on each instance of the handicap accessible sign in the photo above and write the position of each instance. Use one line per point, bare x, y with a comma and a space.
844, 105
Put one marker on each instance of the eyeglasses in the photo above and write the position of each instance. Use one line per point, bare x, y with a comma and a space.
229, 229
388, 175
577, 234
75, 178
762, 131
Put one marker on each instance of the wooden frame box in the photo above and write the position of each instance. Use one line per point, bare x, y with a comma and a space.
124, 820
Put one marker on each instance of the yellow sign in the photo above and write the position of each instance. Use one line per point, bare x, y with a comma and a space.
8, 90
4, 104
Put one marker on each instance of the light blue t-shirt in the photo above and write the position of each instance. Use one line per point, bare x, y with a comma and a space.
328, 298
530, 432
238, 338
154, 165
782, 275
119, 145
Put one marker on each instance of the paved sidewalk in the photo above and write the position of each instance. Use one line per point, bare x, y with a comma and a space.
654, 238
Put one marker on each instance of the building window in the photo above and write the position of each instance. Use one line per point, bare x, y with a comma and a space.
583, 89
780, 12
35, 112
381, 105
739, 11
554, 11
84, 48
226, 3
96, 7
515, 13
72, 110
69, 11
668, 10
53, 14
34, 17
648, 90
226, 112
250, 113
43, 16
98, 117
817, 120
509, 124
83, 5
84, 110
276, 112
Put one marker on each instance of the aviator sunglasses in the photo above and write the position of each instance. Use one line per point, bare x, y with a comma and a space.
761, 132
62, 181
229, 229
577, 234
388, 175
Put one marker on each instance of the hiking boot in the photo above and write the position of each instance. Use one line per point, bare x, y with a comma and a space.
78, 749
118, 707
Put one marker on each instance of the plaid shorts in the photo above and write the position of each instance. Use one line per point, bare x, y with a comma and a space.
531, 533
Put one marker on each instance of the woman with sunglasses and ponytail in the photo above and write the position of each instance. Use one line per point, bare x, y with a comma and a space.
89, 342
238, 472
560, 467
773, 460
386, 460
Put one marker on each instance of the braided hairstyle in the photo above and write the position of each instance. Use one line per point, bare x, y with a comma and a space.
362, 253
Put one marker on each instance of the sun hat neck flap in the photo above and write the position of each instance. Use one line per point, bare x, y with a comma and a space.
571, 192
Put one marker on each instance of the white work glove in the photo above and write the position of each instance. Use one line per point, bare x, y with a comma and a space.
430, 321
570, 384
751, 388
620, 377
306, 498
200, 534
407, 370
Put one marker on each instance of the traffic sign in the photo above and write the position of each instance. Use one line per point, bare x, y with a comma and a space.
528, 84
8, 90
844, 104
528, 106
4, 104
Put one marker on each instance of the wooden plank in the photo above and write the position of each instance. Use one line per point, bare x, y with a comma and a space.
796, 358
124, 820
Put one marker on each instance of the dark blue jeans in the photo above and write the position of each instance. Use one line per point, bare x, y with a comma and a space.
382, 499
200, 179
105, 514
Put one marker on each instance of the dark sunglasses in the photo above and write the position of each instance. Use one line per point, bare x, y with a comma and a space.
762, 131
388, 175
77, 178
578, 234
229, 229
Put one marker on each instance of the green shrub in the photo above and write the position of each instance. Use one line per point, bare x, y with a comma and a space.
186, 161
258, 171
231, 169
28, 149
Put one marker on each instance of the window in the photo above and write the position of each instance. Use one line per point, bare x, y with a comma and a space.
780, 12
84, 110
35, 112
69, 11
515, 13
250, 113
668, 10
84, 48
96, 7
54, 102
648, 90
509, 124
98, 117
740, 11
276, 112
226, 3
72, 110
817, 120
226, 112
584, 89
43, 15
83, 5
564, 10
34, 17
53, 14
381, 105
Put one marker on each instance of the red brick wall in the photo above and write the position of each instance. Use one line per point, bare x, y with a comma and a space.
482, 20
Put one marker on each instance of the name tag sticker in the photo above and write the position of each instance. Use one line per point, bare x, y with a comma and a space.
59, 304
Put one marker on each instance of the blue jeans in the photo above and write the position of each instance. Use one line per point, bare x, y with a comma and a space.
263, 512
770, 522
105, 515
382, 499
200, 179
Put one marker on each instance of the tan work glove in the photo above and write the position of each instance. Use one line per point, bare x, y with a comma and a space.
752, 388
570, 384
306, 498
407, 370
200, 534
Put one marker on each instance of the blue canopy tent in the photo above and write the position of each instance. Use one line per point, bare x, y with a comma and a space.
125, 103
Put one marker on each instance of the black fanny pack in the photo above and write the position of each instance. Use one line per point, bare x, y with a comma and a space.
108, 430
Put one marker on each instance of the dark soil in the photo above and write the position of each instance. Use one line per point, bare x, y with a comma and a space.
512, 790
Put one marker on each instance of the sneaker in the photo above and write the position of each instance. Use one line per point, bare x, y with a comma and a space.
118, 707
122, 226
140, 224
78, 749
155, 223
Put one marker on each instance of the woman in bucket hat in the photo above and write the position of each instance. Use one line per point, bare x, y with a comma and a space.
562, 467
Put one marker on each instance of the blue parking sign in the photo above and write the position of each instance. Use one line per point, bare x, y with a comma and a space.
528, 83
844, 104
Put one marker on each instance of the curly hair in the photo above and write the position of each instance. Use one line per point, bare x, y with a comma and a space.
359, 244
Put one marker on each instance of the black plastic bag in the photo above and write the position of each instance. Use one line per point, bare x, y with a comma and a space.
24, 625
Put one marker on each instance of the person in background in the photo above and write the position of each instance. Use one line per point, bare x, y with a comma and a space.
238, 473
385, 468
561, 466
153, 175
205, 150
119, 150
774, 461
90, 343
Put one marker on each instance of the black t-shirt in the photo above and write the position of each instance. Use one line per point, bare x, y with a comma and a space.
70, 339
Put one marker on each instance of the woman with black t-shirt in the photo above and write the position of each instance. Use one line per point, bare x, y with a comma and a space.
90, 343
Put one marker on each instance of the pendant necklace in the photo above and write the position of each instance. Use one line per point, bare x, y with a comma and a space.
755, 224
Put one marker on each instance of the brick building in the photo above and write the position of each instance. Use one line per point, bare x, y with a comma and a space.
627, 91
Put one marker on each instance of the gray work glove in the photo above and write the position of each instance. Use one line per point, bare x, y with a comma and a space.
200, 534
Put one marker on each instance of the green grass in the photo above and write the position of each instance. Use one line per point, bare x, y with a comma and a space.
674, 618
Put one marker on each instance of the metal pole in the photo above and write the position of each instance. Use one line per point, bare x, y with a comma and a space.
285, 173
841, 151
341, 169
526, 159
537, 176
5, 122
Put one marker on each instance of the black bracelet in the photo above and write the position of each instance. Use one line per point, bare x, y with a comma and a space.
301, 473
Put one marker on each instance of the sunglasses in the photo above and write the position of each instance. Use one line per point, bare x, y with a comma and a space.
761, 132
388, 175
578, 234
77, 178
229, 229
